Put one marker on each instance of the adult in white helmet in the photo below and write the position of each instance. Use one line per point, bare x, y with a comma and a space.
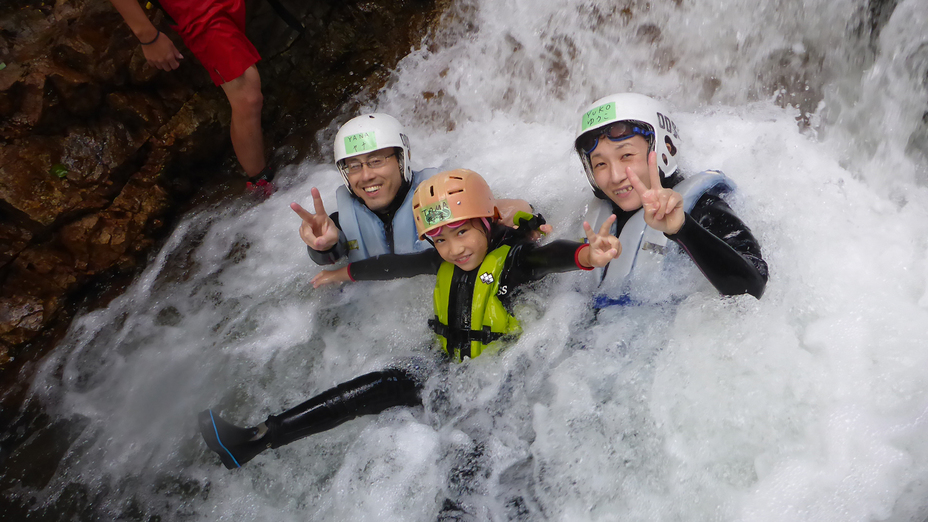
629, 147
374, 214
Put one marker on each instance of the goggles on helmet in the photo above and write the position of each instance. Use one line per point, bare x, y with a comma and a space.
457, 224
618, 131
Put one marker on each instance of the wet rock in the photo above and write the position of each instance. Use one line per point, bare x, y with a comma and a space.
795, 75
21, 317
99, 151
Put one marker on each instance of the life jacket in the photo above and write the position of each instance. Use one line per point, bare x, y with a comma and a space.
489, 319
365, 232
637, 237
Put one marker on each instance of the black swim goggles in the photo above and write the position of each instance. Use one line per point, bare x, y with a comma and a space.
618, 131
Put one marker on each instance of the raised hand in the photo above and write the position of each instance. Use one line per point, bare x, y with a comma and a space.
328, 277
318, 230
161, 54
663, 207
508, 208
604, 247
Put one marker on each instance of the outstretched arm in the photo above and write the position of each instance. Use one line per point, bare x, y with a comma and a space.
382, 268
532, 262
159, 50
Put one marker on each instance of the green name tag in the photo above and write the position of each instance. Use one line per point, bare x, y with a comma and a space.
361, 142
435, 213
598, 115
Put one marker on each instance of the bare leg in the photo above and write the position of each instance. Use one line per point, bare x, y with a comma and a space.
245, 97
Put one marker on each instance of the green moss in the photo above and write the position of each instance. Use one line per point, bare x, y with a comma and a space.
58, 170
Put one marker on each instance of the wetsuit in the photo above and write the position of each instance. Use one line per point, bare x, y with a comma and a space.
375, 392
723, 248
719, 243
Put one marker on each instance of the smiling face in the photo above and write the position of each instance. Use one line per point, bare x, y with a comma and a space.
609, 161
465, 246
375, 186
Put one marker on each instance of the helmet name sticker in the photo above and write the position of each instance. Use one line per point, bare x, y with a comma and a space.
597, 115
435, 213
361, 142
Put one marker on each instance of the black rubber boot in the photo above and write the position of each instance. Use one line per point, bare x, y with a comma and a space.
235, 446
364, 395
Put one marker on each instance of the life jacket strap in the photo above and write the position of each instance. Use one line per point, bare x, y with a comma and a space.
484, 336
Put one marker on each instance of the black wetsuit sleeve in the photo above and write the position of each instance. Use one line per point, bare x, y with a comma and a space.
723, 248
332, 255
395, 266
530, 261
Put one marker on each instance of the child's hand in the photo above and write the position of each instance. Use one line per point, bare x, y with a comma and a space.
509, 211
663, 207
604, 247
318, 230
328, 277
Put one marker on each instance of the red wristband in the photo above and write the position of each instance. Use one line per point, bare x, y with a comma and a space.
348, 268
577, 257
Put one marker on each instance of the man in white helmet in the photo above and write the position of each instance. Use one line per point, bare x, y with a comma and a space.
374, 214
629, 147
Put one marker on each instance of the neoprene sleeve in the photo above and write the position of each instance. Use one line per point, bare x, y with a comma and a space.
723, 248
395, 266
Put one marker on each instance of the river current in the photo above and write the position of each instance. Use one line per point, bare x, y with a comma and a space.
810, 404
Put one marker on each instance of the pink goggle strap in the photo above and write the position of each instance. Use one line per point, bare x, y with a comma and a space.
457, 224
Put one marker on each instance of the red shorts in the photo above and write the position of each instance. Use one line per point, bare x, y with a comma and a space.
214, 31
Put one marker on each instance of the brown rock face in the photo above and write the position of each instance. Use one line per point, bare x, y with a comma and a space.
96, 147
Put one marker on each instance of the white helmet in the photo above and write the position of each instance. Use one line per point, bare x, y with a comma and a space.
637, 108
367, 133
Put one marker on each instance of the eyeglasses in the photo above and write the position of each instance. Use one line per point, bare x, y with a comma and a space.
618, 131
372, 163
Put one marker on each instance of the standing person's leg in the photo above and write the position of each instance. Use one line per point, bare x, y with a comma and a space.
244, 94
218, 41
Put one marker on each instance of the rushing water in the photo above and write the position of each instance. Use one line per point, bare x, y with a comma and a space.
810, 404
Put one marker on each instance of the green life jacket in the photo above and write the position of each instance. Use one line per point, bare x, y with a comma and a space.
490, 320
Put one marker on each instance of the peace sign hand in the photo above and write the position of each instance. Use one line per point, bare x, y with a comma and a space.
604, 247
663, 207
318, 230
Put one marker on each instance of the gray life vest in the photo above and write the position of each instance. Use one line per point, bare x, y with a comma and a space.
364, 231
637, 236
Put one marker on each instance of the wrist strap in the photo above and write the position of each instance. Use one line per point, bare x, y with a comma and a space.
153, 40
577, 257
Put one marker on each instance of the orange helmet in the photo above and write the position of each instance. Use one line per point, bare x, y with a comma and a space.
452, 196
